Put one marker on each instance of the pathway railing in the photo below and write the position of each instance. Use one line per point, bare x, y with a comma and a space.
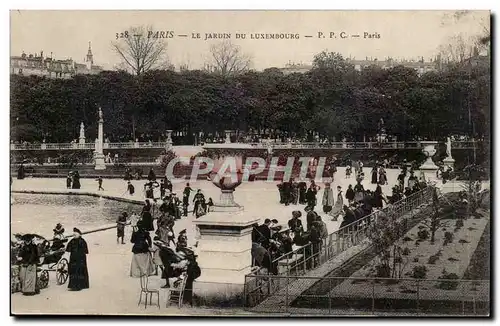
311, 256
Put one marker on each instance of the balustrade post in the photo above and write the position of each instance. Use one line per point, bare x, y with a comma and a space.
330, 289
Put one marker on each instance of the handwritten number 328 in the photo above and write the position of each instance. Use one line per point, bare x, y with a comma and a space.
122, 35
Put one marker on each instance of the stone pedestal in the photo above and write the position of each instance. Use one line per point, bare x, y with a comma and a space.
169, 140
449, 162
226, 203
99, 161
224, 253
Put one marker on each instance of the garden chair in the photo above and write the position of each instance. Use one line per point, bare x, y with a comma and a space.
146, 291
176, 293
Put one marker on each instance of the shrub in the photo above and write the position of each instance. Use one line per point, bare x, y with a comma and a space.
459, 223
432, 259
415, 260
453, 259
406, 239
406, 251
423, 234
463, 241
448, 238
419, 272
383, 270
448, 285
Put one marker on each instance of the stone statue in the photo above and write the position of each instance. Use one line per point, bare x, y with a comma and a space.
82, 130
100, 114
448, 147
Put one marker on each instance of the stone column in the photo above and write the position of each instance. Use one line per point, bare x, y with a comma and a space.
169, 140
224, 253
99, 155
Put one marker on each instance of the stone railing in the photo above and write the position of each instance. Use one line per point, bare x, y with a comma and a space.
87, 146
264, 144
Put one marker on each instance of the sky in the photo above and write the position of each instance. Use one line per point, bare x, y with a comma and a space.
403, 34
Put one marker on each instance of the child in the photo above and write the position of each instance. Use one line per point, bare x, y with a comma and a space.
130, 188
120, 227
99, 180
348, 171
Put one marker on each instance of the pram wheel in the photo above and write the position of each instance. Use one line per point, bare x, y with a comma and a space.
43, 279
62, 271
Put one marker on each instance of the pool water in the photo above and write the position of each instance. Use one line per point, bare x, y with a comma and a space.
34, 213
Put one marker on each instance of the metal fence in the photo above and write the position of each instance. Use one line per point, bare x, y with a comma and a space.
311, 256
348, 295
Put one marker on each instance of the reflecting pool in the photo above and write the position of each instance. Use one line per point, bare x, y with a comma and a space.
35, 213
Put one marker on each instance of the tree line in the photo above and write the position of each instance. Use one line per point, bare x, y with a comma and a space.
333, 99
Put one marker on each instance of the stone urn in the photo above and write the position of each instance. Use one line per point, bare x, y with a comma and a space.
429, 168
227, 177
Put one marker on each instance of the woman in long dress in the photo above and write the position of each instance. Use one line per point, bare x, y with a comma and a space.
29, 258
327, 198
382, 177
374, 175
146, 217
339, 205
77, 269
142, 261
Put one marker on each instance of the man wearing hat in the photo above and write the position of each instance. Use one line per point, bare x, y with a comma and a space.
295, 224
182, 240
77, 270
264, 233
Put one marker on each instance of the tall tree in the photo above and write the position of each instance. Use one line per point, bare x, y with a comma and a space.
227, 59
141, 50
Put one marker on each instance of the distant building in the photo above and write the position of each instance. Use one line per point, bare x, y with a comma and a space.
420, 66
47, 66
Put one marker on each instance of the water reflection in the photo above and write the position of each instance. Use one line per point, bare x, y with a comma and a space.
40, 213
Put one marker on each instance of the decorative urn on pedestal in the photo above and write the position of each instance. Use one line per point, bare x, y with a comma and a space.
429, 168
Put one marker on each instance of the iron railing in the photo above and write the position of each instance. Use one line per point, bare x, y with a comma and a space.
364, 295
311, 256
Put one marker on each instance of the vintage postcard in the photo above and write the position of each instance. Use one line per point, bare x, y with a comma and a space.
250, 163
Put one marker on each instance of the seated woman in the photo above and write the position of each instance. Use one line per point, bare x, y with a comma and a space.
59, 241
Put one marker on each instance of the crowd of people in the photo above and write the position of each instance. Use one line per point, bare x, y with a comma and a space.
272, 242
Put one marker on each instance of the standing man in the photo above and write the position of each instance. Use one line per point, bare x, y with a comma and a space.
78, 273
185, 198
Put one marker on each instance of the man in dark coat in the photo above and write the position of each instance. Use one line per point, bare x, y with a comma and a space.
295, 224
75, 184
310, 219
264, 233
193, 272
302, 192
77, 269
151, 175
349, 194
20, 172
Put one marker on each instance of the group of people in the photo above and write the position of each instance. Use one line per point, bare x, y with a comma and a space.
31, 255
174, 258
73, 180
